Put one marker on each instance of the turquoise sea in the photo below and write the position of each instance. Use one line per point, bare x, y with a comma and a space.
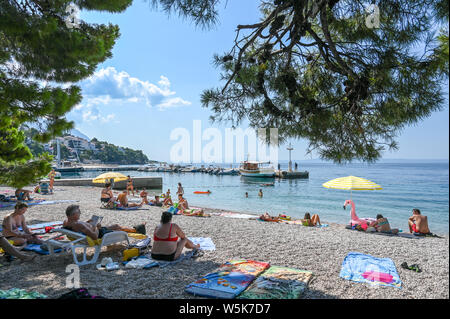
406, 185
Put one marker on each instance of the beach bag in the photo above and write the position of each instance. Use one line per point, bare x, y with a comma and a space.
80, 293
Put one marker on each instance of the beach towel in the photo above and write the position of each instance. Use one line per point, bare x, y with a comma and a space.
37, 249
40, 228
299, 222
229, 280
205, 243
146, 262
278, 283
237, 215
365, 268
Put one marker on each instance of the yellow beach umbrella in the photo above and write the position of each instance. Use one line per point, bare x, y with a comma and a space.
106, 177
352, 183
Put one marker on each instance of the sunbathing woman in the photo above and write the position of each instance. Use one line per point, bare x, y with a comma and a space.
184, 209
382, 225
266, 217
107, 195
10, 250
169, 240
311, 221
11, 224
168, 199
23, 194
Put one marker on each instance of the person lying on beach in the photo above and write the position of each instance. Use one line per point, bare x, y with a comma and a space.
97, 231
156, 201
418, 223
144, 195
123, 200
169, 240
183, 208
130, 185
311, 221
11, 224
382, 225
167, 199
266, 217
11, 250
107, 195
23, 194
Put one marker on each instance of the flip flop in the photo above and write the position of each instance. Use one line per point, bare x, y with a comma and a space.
198, 253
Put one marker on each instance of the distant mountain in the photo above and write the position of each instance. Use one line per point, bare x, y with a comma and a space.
77, 133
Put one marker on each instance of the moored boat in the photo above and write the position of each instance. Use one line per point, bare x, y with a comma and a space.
256, 169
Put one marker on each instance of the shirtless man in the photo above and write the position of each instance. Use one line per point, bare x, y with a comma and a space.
144, 195
11, 224
95, 232
122, 198
418, 223
156, 201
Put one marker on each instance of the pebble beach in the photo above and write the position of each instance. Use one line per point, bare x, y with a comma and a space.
320, 250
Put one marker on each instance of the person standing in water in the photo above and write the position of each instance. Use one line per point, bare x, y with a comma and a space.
260, 194
180, 190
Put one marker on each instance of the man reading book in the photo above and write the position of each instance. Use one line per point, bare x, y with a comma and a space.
92, 227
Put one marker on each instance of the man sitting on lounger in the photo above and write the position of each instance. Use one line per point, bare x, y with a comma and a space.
418, 223
23, 194
74, 223
184, 209
122, 198
11, 224
382, 225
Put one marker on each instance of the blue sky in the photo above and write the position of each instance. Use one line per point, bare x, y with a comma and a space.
159, 68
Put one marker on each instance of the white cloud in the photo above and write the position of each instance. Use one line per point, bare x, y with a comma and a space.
108, 85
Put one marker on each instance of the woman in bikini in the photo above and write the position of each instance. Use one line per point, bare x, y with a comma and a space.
169, 240
311, 221
382, 225
107, 195
130, 185
168, 199
11, 224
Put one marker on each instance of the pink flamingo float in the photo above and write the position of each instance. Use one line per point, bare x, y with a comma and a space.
355, 219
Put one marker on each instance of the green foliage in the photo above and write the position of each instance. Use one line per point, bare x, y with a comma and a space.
109, 153
316, 70
38, 52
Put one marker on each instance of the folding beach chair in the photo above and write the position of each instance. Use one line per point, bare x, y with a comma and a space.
79, 240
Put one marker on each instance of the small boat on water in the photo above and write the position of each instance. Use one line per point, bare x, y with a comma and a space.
256, 169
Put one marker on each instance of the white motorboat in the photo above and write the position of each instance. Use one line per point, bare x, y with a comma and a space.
256, 169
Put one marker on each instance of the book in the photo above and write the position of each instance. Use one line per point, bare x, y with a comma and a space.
95, 220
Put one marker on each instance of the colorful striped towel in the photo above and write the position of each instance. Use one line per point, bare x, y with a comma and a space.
365, 268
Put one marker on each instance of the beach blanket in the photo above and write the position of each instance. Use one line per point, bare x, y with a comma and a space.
37, 249
205, 243
299, 222
16, 293
229, 280
365, 268
36, 202
278, 283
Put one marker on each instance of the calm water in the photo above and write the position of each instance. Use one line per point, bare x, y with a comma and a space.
405, 186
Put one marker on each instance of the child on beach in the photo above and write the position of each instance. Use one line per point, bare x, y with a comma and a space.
144, 195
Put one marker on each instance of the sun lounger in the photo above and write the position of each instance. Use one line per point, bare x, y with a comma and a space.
80, 240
